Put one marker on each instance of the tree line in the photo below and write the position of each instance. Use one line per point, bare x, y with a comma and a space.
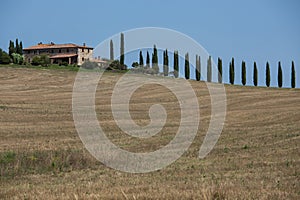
14, 55
140, 67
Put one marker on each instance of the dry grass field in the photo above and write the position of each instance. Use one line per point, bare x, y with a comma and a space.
42, 157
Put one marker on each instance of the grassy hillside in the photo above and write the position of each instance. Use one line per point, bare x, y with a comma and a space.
41, 155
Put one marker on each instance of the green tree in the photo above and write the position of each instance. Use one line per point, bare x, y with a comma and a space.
166, 63
116, 64
220, 74
176, 64
111, 50
209, 69
45, 60
293, 81
4, 57
135, 64
122, 49
198, 68
268, 76
255, 74
279, 75
11, 48
243, 72
17, 58
231, 71
21, 48
155, 60
141, 59
187, 66
17, 48
148, 60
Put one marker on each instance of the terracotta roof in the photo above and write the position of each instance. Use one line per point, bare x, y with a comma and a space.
56, 46
63, 56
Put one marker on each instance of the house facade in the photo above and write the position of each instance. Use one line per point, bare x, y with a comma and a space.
60, 53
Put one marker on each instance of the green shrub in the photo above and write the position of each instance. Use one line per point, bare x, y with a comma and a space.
4, 57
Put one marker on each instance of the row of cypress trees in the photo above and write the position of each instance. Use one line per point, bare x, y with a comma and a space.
255, 74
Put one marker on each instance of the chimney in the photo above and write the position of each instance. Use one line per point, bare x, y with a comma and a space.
84, 44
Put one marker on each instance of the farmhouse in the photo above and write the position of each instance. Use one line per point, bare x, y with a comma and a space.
60, 53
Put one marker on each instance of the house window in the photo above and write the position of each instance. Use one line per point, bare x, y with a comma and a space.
59, 51
82, 59
67, 50
82, 49
88, 50
52, 51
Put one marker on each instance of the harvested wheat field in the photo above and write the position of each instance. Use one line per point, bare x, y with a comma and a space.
42, 157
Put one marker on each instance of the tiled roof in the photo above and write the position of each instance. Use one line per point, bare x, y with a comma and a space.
56, 46
63, 56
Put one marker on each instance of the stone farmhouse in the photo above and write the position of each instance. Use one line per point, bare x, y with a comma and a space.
59, 53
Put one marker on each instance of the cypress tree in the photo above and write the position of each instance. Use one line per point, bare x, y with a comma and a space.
255, 75
279, 75
148, 60
231, 71
166, 63
198, 68
243, 73
220, 70
141, 59
209, 72
155, 60
293, 81
11, 48
268, 76
176, 64
21, 48
187, 66
17, 48
111, 50
122, 49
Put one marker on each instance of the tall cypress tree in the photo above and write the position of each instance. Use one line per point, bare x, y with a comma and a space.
231, 71
268, 76
21, 48
187, 66
279, 75
220, 70
176, 64
255, 75
198, 68
166, 63
122, 49
243, 73
111, 50
17, 48
141, 59
155, 60
11, 48
293, 81
209, 70
148, 60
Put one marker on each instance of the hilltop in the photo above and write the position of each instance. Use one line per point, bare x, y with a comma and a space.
41, 155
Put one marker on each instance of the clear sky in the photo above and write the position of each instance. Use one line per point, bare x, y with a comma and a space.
253, 30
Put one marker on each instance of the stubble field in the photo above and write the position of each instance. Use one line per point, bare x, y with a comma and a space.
42, 157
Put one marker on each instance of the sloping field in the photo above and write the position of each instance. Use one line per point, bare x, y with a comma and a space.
42, 157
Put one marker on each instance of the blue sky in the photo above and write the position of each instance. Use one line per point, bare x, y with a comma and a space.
256, 30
